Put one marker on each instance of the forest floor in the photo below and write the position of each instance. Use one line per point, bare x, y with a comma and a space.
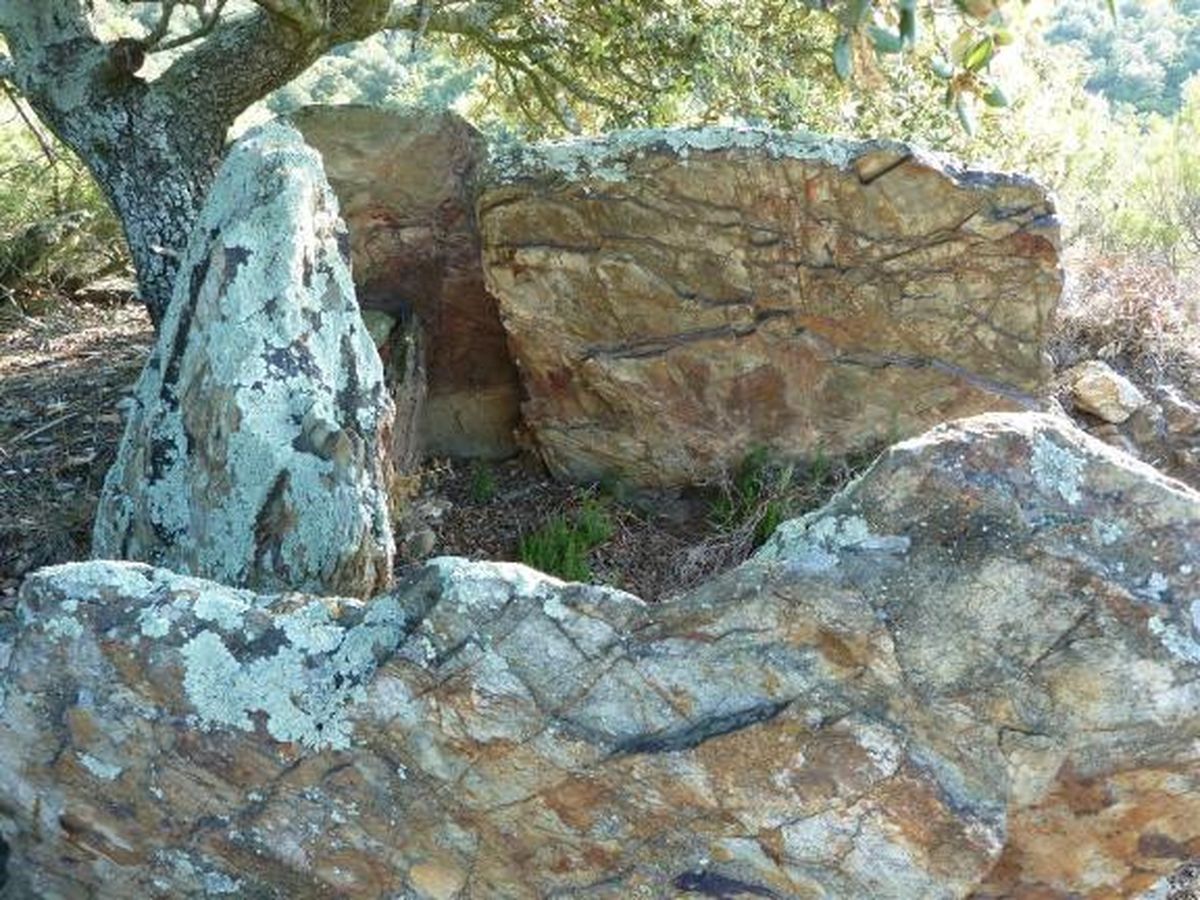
64, 374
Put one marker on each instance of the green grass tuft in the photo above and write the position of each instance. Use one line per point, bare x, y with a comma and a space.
483, 482
560, 547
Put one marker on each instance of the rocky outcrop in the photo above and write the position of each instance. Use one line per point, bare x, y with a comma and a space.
676, 298
975, 672
406, 183
257, 451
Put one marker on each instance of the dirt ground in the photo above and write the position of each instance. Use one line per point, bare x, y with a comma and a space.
61, 378
64, 374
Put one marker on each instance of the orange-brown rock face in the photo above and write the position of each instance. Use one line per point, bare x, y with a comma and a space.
405, 183
676, 298
974, 673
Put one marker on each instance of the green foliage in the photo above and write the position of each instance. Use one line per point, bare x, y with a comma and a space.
1158, 210
593, 523
613, 485
56, 231
561, 545
753, 497
483, 482
1142, 56
383, 71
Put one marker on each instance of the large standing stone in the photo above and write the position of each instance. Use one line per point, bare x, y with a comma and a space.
977, 671
676, 298
257, 450
406, 183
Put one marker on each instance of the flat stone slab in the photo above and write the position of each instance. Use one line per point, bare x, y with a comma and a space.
675, 299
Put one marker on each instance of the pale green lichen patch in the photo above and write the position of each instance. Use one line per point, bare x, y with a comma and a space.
96, 580
1176, 642
225, 609
813, 543
1107, 533
305, 687
154, 621
609, 158
63, 628
1056, 470
311, 628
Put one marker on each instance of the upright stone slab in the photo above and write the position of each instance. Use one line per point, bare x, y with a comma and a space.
676, 298
406, 183
257, 450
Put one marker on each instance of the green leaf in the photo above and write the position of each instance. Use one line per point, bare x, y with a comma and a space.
941, 67
843, 59
995, 97
1003, 37
858, 11
908, 27
885, 41
1112, 9
979, 55
966, 113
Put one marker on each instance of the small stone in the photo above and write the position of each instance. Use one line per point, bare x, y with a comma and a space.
1147, 425
1098, 389
420, 543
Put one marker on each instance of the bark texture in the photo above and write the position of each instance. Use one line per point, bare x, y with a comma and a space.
154, 145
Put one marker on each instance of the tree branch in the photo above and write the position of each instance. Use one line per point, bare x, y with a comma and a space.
207, 23
465, 18
246, 56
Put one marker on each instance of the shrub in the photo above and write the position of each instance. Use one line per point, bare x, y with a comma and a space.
753, 499
56, 230
561, 546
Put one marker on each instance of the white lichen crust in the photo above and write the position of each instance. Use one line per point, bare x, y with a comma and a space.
256, 453
609, 158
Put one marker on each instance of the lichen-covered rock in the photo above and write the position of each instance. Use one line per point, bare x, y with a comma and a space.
256, 453
1097, 389
406, 183
675, 298
976, 672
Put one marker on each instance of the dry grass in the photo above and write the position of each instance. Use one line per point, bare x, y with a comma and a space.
1141, 317
663, 542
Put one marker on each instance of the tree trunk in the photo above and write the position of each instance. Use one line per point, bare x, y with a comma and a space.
154, 146
155, 172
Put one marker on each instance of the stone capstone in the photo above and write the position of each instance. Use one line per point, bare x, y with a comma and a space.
976, 672
257, 449
406, 184
676, 298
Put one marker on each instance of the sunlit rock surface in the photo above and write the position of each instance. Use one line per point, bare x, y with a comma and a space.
258, 447
676, 298
976, 670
